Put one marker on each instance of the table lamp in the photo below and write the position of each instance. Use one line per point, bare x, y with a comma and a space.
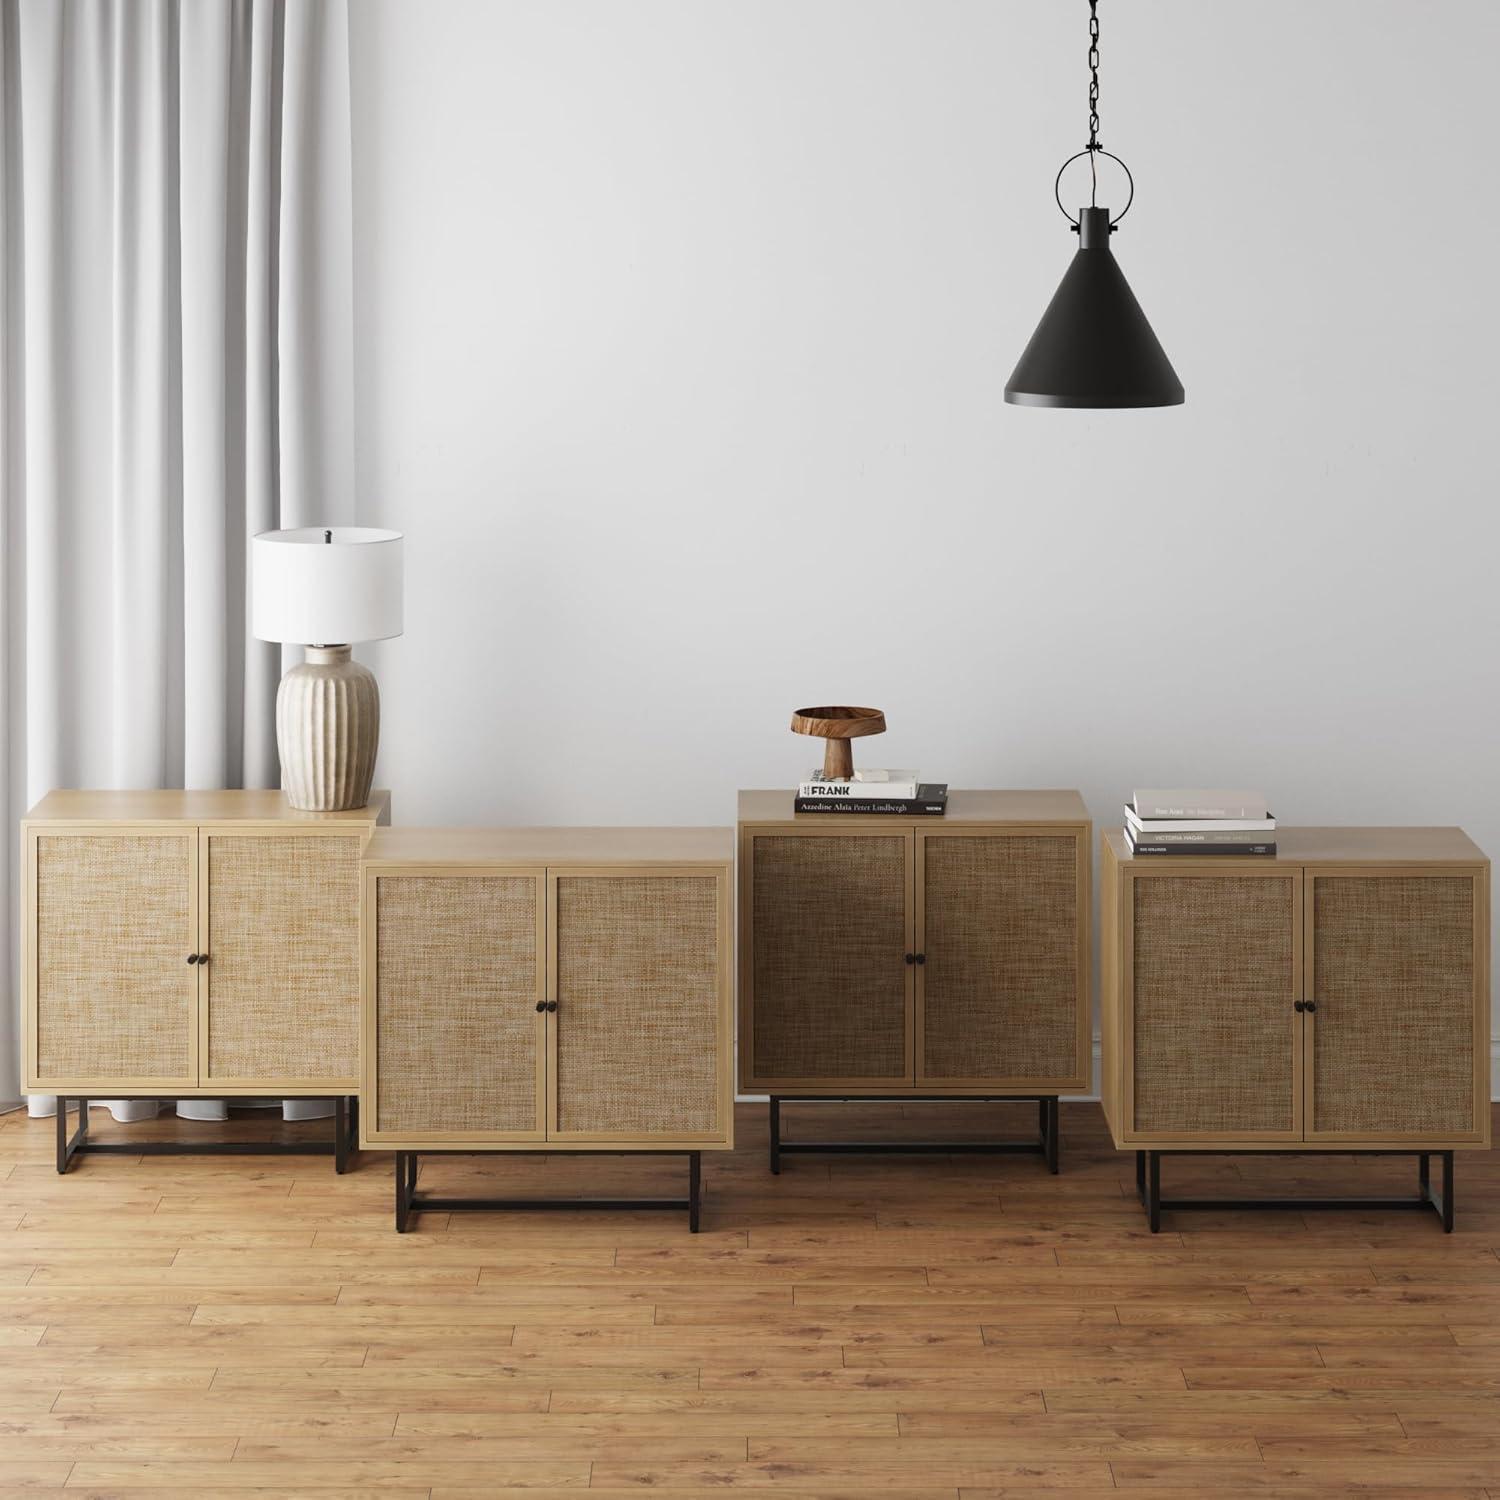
323, 588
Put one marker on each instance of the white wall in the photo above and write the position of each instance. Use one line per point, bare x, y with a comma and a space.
652, 294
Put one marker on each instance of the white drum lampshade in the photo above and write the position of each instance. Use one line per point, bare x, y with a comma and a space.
324, 588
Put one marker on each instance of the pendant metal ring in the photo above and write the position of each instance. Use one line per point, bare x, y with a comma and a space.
1099, 151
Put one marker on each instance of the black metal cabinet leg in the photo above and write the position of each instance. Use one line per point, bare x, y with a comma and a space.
410, 1203
1148, 1184
1046, 1143
406, 1181
69, 1146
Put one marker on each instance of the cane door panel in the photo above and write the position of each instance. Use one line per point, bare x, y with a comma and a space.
457, 1033
112, 998
1002, 985
280, 935
831, 923
637, 1049
1395, 971
1212, 975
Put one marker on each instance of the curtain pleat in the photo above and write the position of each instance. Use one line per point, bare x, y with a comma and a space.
211, 504
177, 343
145, 516
263, 90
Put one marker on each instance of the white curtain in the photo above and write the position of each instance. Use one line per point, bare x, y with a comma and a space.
177, 374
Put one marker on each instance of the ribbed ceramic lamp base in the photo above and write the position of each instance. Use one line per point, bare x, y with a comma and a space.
327, 730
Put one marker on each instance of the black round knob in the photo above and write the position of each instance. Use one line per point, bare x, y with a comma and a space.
541, 1005
1298, 1006
203, 958
911, 958
1310, 1007
921, 958
552, 1005
192, 958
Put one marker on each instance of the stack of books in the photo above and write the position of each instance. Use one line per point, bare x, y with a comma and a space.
872, 792
1195, 821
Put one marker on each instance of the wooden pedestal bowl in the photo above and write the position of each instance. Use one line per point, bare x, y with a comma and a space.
836, 726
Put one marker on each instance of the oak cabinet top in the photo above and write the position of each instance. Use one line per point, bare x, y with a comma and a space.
1058, 806
242, 806
1327, 846
551, 846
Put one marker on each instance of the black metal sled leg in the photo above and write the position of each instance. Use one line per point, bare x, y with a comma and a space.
1444, 1204
408, 1202
1140, 1175
1046, 1143
81, 1145
406, 1187
341, 1113
1424, 1199
69, 1147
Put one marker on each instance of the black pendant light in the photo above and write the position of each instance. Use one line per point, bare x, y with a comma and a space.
1094, 347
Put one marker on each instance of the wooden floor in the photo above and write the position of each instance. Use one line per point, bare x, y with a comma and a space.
860, 1326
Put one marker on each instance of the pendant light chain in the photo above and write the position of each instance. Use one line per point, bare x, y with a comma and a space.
1093, 146
1093, 75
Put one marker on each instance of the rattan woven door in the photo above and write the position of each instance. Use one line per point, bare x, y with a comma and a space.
456, 1035
1002, 986
280, 943
111, 998
637, 973
827, 993
1213, 976
1394, 970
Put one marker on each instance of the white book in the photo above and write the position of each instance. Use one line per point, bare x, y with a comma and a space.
1188, 838
1199, 802
1265, 825
894, 785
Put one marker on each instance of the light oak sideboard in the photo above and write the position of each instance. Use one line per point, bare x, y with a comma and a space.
885, 956
547, 990
180, 944
1333, 998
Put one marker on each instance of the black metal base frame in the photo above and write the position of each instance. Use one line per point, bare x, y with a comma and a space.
345, 1133
1148, 1187
408, 1202
1046, 1144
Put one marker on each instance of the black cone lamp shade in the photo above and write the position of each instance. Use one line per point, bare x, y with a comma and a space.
1094, 347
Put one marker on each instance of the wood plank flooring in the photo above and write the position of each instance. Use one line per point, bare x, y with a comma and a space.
860, 1328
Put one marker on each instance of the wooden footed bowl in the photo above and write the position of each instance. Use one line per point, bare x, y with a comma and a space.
836, 725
